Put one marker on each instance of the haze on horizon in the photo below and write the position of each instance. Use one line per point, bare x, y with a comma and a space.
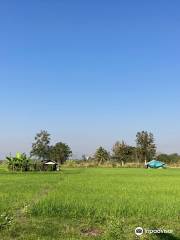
90, 73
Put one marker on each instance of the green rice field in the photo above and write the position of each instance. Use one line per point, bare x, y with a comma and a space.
92, 203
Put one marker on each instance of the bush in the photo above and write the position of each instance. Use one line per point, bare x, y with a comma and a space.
18, 163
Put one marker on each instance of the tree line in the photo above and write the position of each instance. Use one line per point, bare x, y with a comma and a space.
42, 150
169, 158
144, 151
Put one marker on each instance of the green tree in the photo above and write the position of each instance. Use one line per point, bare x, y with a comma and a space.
169, 158
40, 148
25, 162
101, 155
19, 162
164, 158
131, 154
146, 147
60, 152
11, 163
122, 152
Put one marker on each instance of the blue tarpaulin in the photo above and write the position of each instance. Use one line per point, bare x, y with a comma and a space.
155, 164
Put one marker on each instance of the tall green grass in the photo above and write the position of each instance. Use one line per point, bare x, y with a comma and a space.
103, 193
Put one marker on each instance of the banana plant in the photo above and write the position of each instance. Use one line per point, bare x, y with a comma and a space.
19, 162
10, 163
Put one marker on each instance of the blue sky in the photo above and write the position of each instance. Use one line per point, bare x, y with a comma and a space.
89, 72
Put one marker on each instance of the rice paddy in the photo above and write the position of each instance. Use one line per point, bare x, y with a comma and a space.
92, 203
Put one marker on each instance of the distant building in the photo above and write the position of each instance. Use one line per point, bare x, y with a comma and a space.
50, 165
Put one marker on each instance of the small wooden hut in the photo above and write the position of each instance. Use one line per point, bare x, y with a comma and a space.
50, 165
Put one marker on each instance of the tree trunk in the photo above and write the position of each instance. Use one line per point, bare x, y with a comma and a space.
145, 161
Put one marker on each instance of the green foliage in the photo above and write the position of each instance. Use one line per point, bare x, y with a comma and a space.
146, 149
123, 153
101, 155
19, 162
169, 158
60, 152
116, 229
5, 220
40, 148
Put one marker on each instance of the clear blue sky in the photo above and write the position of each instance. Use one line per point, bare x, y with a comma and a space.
89, 72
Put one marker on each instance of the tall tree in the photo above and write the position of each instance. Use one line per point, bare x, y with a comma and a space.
122, 152
145, 146
60, 152
101, 155
40, 148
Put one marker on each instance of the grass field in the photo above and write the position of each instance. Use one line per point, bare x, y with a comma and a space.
89, 204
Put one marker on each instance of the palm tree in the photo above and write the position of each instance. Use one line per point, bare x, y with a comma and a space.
101, 155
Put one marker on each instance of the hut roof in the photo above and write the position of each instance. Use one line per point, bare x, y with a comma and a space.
50, 162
